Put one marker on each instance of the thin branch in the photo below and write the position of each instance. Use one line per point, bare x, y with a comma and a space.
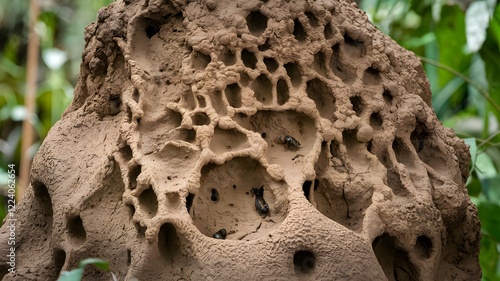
488, 139
479, 87
29, 100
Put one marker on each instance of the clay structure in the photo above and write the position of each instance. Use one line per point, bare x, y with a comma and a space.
248, 140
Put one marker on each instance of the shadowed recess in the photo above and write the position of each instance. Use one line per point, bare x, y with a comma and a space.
152, 29
149, 202
420, 137
201, 101
328, 31
126, 152
376, 121
293, 72
168, 242
371, 77
313, 21
387, 97
200, 60
141, 230
233, 95
423, 247
319, 63
298, 31
248, 58
403, 154
59, 257
133, 173
200, 119
187, 135
265, 46
271, 64
244, 79
43, 208
282, 92
306, 187
322, 96
394, 262
339, 66
257, 23
357, 104
76, 230
189, 201
262, 88
115, 103
304, 262
227, 57
218, 103
354, 48
393, 176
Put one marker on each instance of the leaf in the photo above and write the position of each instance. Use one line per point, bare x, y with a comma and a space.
485, 166
76, 274
490, 220
488, 257
450, 35
437, 6
477, 20
489, 54
101, 264
73, 275
491, 188
473, 186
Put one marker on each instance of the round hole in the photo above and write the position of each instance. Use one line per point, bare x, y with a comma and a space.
304, 261
215, 195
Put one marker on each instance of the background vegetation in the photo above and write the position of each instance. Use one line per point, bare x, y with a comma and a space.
457, 41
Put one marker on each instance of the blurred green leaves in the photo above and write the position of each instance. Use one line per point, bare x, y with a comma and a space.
60, 26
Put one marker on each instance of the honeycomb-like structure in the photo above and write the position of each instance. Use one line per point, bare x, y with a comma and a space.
248, 140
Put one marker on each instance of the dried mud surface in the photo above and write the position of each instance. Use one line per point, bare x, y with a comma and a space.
180, 128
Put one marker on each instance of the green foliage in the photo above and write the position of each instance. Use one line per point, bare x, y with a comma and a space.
459, 46
60, 26
77, 273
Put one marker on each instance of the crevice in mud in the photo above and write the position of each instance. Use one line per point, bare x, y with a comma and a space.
282, 92
76, 230
394, 262
168, 243
293, 72
339, 67
249, 59
322, 96
298, 31
233, 95
59, 258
